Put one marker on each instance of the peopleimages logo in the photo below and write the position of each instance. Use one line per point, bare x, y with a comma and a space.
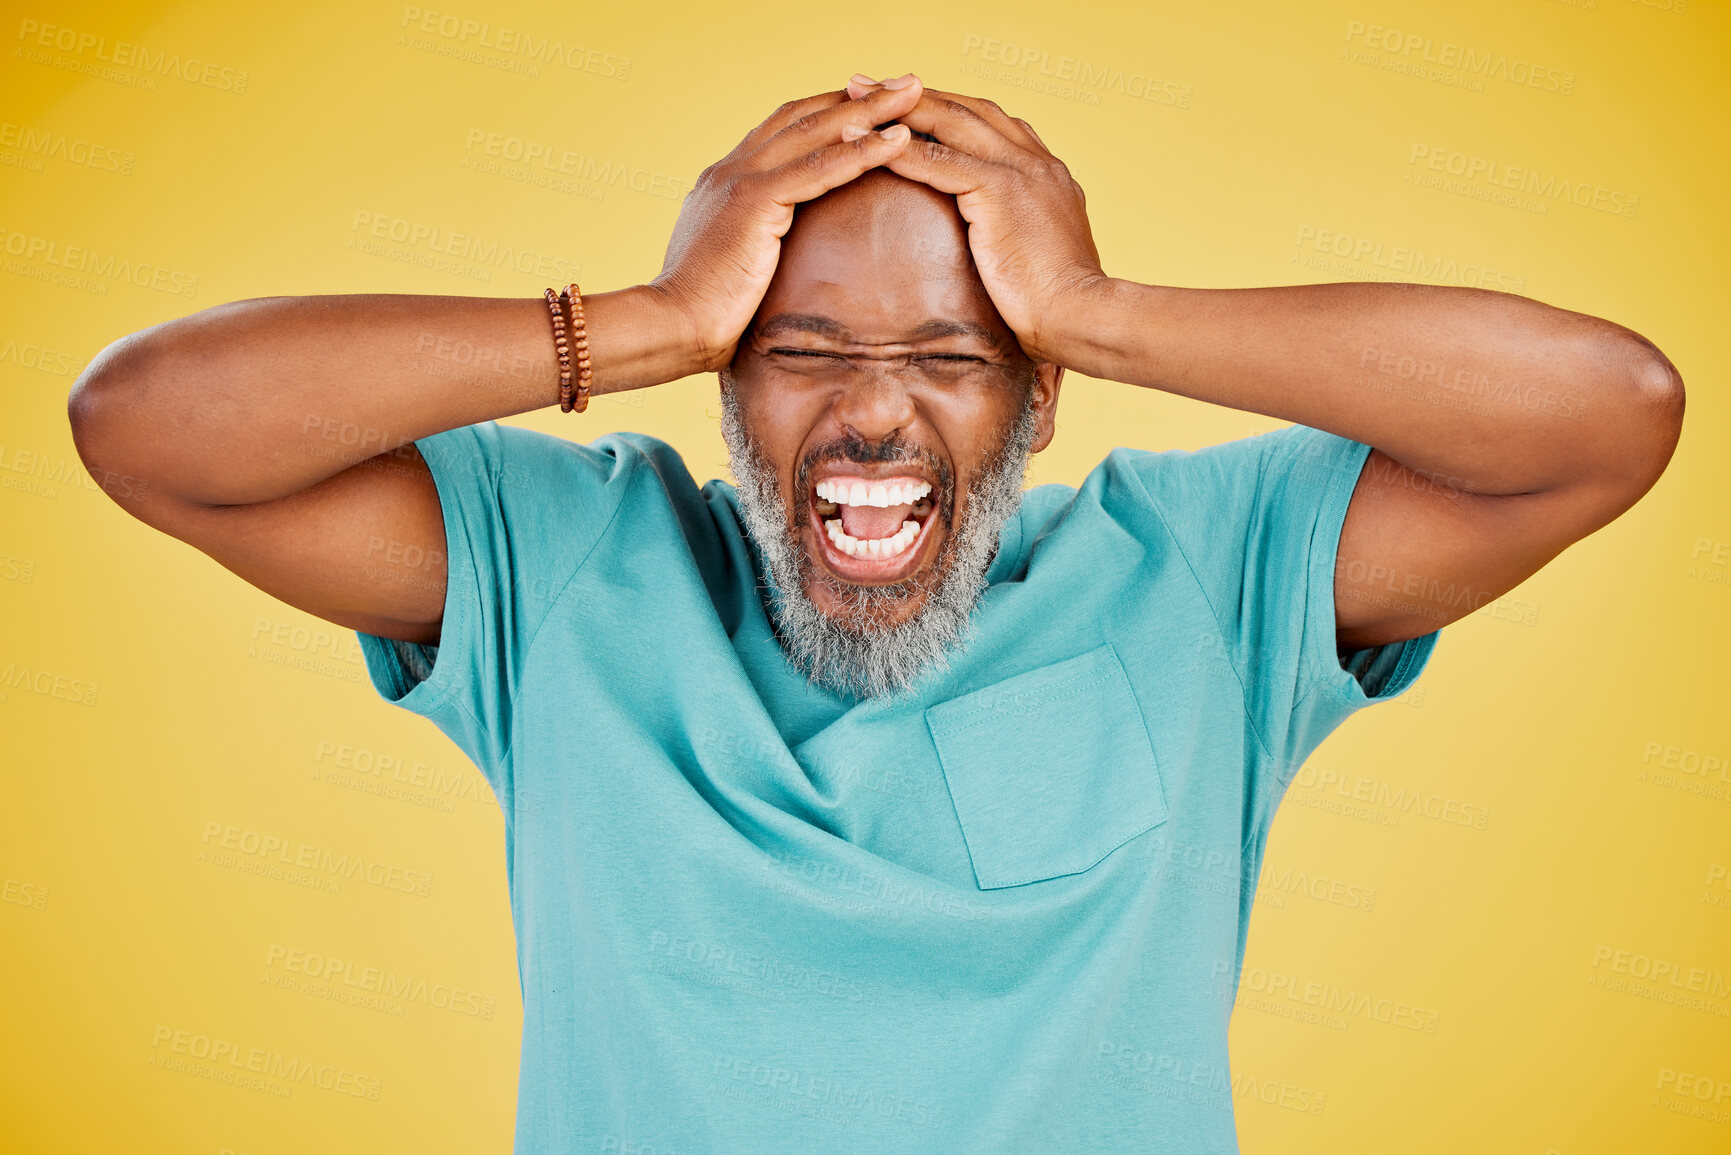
515, 43
1485, 175
581, 167
1278, 987
48, 684
473, 253
45, 144
228, 1061
319, 968
1090, 76
104, 266
1482, 64
227, 845
36, 35
1403, 261
40, 358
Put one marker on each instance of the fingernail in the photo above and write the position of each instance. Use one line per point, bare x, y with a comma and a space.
895, 133
899, 82
862, 79
852, 131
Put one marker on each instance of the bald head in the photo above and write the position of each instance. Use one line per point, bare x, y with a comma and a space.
890, 217
887, 259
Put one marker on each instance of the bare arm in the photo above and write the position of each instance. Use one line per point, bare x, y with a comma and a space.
1502, 429
274, 434
257, 399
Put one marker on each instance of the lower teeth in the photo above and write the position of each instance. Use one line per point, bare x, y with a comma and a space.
885, 547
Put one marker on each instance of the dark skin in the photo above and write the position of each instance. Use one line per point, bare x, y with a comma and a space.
1571, 418
850, 340
274, 434
225, 415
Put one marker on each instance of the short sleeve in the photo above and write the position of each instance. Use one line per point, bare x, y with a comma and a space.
1258, 520
522, 511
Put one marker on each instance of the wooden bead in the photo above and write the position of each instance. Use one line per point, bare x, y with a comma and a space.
558, 301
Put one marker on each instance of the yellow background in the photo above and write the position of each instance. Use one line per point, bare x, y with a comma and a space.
179, 697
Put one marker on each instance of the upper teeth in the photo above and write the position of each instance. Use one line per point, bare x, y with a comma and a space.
844, 492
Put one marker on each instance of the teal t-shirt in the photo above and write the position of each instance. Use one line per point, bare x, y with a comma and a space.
1004, 914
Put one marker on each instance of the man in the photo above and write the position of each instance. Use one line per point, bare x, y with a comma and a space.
921, 818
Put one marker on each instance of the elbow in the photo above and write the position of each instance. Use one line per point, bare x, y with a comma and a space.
101, 410
86, 402
1651, 416
1661, 400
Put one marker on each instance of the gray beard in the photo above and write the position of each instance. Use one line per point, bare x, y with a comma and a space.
858, 651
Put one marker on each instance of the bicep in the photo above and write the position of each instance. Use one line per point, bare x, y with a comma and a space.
1416, 554
364, 549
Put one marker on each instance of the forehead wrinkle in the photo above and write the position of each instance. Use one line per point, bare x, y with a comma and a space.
932, 330
804, 323
829, 327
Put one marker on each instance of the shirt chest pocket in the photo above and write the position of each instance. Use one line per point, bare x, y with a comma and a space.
1050, 771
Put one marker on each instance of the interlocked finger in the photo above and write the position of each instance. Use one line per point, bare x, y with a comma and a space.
783, 116
1014, 128
946, 169
809, 176
972, 128
821, 126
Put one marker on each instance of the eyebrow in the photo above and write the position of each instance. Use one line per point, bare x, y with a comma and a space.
829, 327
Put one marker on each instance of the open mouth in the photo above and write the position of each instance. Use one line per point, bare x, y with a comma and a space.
872, 529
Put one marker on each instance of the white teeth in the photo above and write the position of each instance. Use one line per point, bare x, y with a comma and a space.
878, 547
878, 494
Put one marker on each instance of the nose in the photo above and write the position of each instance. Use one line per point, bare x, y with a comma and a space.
874, 401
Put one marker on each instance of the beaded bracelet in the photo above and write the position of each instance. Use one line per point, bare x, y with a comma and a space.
564, 350
580, 339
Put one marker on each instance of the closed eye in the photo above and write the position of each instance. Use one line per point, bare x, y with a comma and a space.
945, 363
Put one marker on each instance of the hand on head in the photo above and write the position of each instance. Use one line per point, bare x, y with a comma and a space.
874, 336
1028, 228
727, 240
1027, 219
